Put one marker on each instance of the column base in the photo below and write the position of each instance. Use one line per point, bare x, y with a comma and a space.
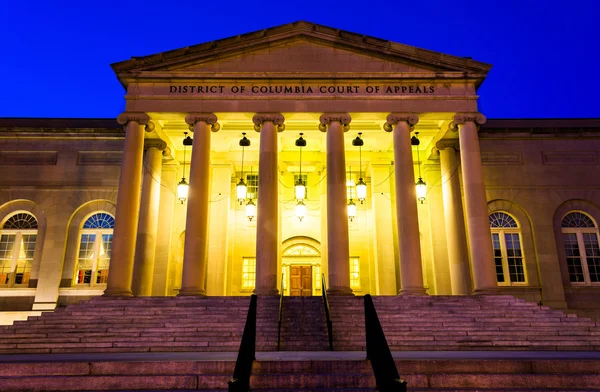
335, 291
266, 292
417, 291
191, 292
117, 293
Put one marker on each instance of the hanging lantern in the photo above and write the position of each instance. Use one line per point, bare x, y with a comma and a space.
300, 186
241, 188
241, 191
361, 187
361, 190
300, 210
421, 190
421, 185
250, 210
351, 210
183, 187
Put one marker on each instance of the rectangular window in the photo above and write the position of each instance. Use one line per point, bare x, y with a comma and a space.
7, 243
86, 259
498, 257
252, 186
514, 258
248, 273
592, 255
354, 274
573, 258
318, 277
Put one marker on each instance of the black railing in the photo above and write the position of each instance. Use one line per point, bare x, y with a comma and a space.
378, 352
280, 316
327, 312
247, 354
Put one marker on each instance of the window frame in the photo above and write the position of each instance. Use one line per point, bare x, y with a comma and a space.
579, 231
18, 233
98, 233
251, 263
502, 231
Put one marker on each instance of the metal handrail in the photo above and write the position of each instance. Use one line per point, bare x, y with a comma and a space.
327, 312
378, 352
240, 381
280, 317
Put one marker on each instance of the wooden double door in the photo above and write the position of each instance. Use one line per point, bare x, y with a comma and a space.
301, 280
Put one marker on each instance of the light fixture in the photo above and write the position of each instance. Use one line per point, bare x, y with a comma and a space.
361, 187
300, 210
351, 210
241, 188
421, 185
250, 206
250, 210
300, 186
183, 187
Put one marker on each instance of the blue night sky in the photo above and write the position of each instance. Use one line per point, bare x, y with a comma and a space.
56, 55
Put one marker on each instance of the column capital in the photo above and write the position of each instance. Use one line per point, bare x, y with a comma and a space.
461, 118
209, 118
139, 117
276, 118
394, 118
328, 118
447, 143
159, 144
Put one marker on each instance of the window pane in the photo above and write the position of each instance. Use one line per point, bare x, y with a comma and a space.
573, 257
497, 257
99, 221
7, 243
514, 257
21, 221
248, 273
577, 219
252, 186
104, 258
592, 255
500, 219
86, 258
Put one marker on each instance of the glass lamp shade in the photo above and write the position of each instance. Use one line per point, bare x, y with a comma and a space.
300, 190
241, 191
250, 210
182, 190
300, 210
361, 190
351, 210
421, 190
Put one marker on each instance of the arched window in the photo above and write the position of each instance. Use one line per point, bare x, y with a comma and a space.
508, 254
95, 249
17, 244
580, 239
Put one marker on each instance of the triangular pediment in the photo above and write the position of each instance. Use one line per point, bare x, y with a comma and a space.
299, 48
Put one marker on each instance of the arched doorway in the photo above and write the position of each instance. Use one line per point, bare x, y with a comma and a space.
301, 267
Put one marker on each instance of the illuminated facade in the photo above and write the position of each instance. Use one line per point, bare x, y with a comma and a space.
91, 206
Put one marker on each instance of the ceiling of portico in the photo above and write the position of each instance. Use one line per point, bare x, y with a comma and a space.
225, 143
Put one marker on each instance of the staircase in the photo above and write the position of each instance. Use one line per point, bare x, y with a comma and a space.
308, 375
456, 323
140, 325
303, 326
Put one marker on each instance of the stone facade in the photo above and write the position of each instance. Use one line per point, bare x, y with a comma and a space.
62, 172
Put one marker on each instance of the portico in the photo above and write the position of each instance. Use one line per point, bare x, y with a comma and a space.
309, 79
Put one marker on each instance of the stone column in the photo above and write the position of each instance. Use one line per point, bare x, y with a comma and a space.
458, 256
128, 204
145, 248
338, 251
480, 238
267, 208
411, 269
196, 233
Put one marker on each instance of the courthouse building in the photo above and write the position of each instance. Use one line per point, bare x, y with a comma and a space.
315, 152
